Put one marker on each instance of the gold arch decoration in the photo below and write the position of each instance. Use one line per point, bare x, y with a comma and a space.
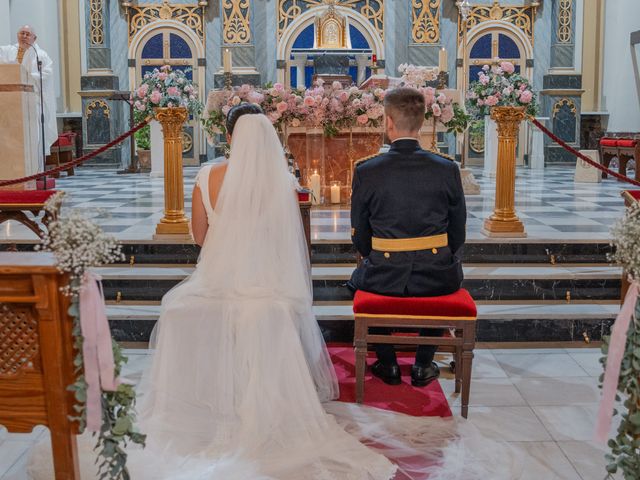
522, 17
96, 23
236, 22
425, 16
97, 105
372, 10
190, 15
565, 18
562, 103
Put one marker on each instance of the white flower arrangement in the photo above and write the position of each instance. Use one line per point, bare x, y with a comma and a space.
78, 244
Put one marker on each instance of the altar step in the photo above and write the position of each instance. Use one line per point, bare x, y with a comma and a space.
520, 251
498, 282
497, 322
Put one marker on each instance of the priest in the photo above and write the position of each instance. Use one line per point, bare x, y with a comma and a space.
24, 52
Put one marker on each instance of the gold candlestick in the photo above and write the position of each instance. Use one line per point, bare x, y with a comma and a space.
174, 220
504, 222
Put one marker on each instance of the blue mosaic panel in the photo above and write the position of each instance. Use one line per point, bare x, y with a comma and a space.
358, 41
178, 47
308, 75
474, 70
353, 71
482, 48
147, 68
305, 38
293, 75
507, 48
153, 47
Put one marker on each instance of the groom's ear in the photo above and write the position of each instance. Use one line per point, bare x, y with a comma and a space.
228, 138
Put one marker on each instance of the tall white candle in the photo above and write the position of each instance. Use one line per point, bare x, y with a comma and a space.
226, 61
335, 193
442, 60
314, 179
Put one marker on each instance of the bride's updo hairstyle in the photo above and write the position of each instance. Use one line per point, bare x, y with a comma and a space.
239, 110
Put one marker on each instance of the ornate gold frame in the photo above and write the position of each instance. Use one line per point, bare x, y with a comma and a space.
425, 17
372, 10
522, 17
191, 15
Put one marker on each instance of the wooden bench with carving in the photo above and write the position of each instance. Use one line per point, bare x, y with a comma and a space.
36, 354
624, 147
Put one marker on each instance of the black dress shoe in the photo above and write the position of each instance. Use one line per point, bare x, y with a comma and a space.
422, 376
389, 374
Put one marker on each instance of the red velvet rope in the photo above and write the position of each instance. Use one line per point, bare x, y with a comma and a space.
77, 161
573, 151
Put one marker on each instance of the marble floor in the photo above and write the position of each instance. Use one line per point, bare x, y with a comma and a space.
550, 204
543, 402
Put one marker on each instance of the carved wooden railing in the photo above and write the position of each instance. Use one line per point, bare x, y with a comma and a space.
36, 354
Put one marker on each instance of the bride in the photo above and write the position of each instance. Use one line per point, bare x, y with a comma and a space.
240, 370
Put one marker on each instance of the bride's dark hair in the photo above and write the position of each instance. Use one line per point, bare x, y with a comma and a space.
236, 112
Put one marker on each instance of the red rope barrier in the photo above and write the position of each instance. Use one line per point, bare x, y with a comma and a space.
573, 151
77, 161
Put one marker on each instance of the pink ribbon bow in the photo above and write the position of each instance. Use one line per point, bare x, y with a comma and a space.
97, 350
617, 346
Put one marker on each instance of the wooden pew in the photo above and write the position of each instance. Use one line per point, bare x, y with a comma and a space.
36, 354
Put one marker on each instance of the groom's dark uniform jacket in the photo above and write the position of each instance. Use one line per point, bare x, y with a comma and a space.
408, 218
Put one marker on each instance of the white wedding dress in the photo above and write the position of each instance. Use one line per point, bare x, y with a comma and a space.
240, 369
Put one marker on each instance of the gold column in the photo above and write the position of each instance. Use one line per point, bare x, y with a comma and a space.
174, 220
504, 222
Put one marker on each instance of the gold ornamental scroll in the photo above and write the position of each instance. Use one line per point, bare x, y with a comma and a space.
504, 221
174, 221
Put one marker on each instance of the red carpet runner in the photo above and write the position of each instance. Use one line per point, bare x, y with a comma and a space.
403, 398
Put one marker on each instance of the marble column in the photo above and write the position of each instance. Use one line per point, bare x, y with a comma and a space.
102, 115
362, 61
537, 146
6, 35
300, 62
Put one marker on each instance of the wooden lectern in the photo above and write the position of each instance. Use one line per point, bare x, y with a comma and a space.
36, 354
19, 124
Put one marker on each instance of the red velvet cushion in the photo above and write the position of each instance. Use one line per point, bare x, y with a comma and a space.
626, 142
25, 196
608, 142
458, 304
303, 196
634, 193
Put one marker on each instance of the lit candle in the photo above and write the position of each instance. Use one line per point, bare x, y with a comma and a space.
442, 60
226, 61
315, 187
335, 192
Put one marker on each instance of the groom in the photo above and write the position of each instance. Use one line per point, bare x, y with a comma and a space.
408, 218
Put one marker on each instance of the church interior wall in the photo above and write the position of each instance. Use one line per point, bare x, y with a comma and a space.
620, 94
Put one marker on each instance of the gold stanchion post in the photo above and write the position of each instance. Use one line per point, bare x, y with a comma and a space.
504, 222
174, 220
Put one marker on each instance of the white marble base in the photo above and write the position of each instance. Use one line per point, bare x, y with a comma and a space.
157, 150
585, 173
470, 185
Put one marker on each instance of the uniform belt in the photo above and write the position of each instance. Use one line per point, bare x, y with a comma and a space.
409, 244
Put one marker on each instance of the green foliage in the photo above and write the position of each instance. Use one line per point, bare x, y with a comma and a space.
624, 456
118, 407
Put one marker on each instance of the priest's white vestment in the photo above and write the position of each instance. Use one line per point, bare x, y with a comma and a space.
9, 54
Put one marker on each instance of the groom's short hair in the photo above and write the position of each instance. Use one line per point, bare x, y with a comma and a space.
406, 107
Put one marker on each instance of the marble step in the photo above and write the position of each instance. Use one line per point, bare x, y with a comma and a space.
502, 282
487, 251
497, 322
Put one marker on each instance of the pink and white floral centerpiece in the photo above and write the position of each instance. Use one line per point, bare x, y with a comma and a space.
500, 85
164, 87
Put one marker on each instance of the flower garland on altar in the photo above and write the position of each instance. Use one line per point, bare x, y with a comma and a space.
621, 350
330, 107
499, 85
105, 405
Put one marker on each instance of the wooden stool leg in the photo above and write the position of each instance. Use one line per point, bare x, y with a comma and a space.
458, 359
361, 356
467, 359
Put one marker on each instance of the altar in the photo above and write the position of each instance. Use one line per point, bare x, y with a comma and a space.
326, 163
